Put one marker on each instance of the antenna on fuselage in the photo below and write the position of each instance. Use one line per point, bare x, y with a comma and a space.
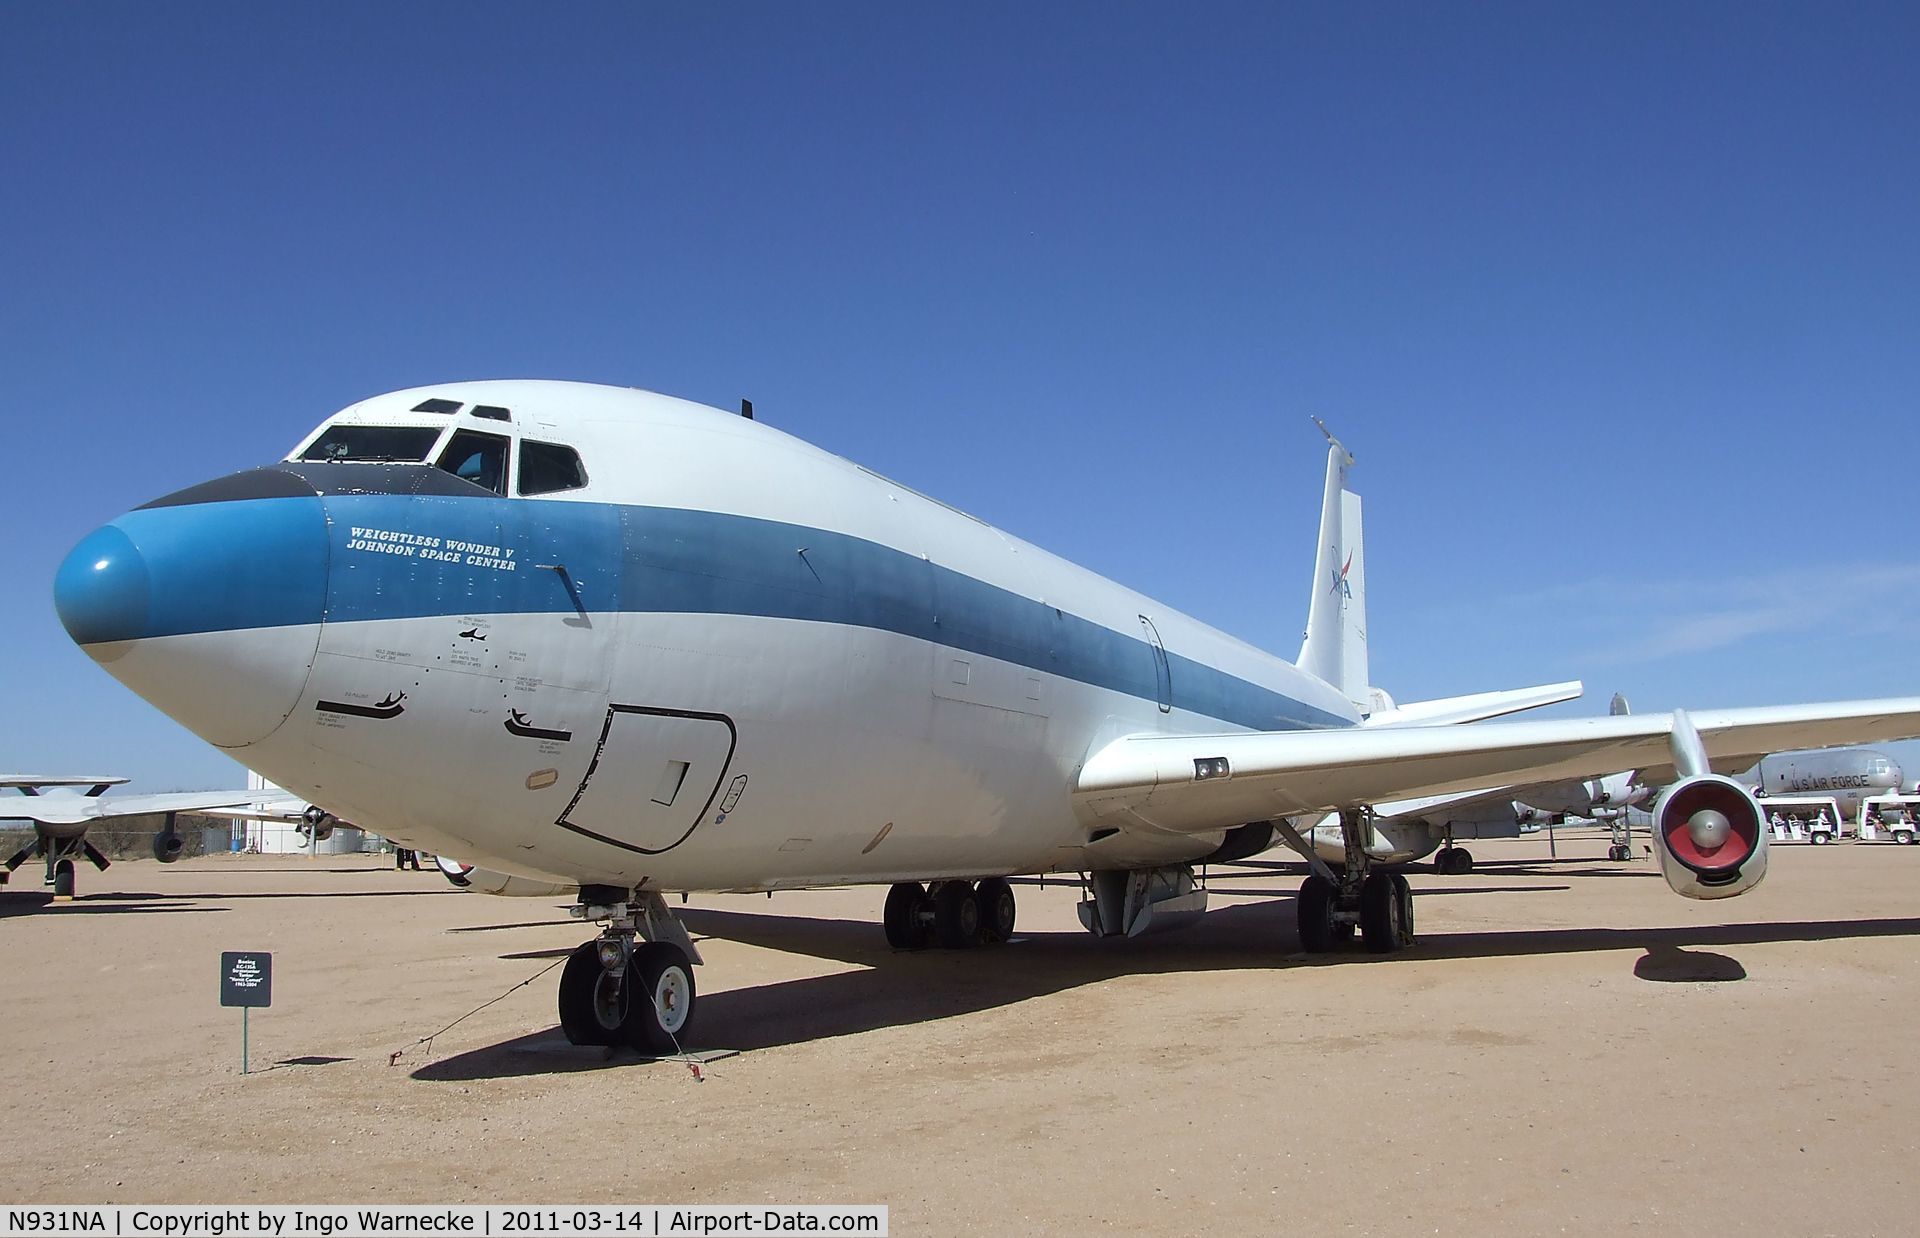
746, 409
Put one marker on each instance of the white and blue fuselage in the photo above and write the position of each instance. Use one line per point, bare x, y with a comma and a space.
713, 658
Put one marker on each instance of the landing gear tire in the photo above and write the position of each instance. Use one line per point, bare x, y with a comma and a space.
63, 879
907, 929
661, 1010
995, 899
1403, 898
594, 1002
1453, 861
956, 915
1380, 910
1314, 910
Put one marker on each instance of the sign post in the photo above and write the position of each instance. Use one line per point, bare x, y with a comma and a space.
246, 981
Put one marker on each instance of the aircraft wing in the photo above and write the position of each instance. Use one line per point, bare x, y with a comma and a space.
270, 806
1176, 783
31, 783
73, 809
1491, 804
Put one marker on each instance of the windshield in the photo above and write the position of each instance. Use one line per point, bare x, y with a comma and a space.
342, 442
478, 458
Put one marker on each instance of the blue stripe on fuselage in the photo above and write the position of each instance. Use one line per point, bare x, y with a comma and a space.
410, 556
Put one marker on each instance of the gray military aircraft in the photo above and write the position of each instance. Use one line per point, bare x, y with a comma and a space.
1846, 774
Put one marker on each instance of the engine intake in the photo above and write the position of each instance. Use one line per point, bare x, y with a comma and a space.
1711, 837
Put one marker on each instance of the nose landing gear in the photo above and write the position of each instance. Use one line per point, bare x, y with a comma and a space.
633, 985
59, 854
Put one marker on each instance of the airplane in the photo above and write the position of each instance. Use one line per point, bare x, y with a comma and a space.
61, 816
629, 644
1848, 775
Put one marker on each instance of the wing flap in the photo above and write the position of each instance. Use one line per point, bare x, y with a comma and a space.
1153, 780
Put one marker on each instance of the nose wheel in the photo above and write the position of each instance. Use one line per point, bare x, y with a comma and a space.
620, 990
60, 855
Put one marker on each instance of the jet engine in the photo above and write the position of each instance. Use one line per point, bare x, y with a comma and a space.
467, 877
168, 845
316, 823
1711, 837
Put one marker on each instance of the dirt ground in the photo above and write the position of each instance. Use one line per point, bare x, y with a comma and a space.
1570, 1048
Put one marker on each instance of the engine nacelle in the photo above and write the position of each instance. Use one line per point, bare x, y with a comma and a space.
316, 823
485, 881
1711, 837
168, 846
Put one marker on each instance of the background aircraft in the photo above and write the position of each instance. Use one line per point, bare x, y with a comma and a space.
61, 814
628, 644
1848, 775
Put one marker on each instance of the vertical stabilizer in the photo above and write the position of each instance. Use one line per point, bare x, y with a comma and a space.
1335, 648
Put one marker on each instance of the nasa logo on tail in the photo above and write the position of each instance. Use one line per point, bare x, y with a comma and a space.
1341, 585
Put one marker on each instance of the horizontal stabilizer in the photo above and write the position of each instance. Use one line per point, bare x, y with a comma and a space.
1453, 710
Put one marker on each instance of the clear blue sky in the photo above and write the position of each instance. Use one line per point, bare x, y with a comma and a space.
1618, 305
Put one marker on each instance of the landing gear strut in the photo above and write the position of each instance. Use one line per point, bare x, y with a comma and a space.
620, 990
60, 854
954, 914
1332, 904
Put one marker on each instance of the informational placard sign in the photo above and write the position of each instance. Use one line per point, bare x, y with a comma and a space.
246, 978
246, 981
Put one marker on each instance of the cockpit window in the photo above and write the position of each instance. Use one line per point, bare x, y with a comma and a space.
437, 405
493, 412
348, 442
478, 458
547, 467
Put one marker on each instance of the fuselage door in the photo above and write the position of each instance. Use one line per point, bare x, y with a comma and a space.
1162, 672
653, 777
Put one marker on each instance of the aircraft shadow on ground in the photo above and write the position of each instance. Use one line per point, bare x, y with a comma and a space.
1423, 891
896, 988
29, 902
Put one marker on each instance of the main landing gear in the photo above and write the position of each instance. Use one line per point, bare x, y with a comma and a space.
620, 990
953, 914
1334, 904
1452, 861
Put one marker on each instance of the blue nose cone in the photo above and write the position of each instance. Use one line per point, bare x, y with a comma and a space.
209, 603
102, 591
